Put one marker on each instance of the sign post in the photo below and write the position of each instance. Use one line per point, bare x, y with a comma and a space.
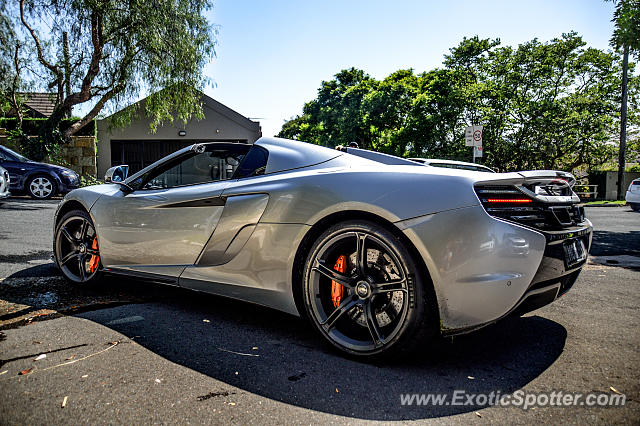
473, 137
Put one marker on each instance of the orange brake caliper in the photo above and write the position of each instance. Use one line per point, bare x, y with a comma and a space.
337, 290
94, 261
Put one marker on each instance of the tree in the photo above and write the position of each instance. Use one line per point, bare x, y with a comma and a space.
106, 52
543, 106
626, 35
335, 116
10, 67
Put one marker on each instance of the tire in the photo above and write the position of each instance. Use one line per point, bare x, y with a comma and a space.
383, 307
75, 248
41, 187
635, 206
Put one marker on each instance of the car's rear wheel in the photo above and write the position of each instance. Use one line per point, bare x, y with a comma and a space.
364, 292
41, 187
76, 249
635, 206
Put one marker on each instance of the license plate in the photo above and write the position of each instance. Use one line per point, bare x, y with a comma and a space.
574, 253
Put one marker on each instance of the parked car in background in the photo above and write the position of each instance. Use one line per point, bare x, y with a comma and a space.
452, 164
4, 183
39, 180
633, 195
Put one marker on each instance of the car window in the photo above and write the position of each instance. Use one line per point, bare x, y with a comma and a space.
8, 155
207, 163
5, 156
254, 163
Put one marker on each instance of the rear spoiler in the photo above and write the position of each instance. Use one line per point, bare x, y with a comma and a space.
542, 174
548, 186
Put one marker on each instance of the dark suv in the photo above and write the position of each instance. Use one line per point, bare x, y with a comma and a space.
39, 180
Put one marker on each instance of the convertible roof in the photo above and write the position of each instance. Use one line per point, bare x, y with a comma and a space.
285, 154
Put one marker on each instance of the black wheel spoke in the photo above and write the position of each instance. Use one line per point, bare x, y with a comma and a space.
333, 275
83, 274
68, 257
361, 253
372, 324
83, 232
64, 231
397, 285
74, 253
346, 305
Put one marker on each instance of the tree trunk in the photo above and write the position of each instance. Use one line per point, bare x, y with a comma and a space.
67, 71
623, 124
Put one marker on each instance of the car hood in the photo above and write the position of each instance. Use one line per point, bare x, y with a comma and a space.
49, 166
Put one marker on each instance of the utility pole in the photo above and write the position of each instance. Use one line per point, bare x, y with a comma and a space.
623, 124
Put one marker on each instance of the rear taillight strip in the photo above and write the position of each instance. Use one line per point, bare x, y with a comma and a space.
510, 200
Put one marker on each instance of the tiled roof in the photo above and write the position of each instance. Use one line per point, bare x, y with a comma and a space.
42, 103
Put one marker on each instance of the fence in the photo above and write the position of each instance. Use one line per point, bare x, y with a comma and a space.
587, 192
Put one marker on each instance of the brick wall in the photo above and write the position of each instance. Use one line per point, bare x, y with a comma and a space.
80, 155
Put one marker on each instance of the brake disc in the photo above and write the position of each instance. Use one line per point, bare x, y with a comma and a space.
386, 305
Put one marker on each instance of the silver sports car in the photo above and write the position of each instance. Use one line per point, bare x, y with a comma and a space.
379, 252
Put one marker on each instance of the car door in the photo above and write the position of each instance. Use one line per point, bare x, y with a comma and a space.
164, 223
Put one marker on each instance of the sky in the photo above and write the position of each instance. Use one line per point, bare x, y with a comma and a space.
271, 56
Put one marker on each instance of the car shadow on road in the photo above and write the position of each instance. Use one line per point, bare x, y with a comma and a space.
278, 356
607, 243
17, 205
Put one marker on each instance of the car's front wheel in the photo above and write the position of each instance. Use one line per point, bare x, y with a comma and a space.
76, 249
41, 187
364, 292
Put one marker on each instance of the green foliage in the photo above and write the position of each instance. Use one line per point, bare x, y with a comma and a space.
32, 126
552, 105
88, 180
30, 147
626, 19
105, 54
37, 141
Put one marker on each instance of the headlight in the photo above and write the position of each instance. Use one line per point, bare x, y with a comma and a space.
69, 174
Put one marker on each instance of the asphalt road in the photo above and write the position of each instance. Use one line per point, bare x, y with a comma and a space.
131, 352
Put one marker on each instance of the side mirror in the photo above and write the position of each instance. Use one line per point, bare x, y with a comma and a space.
116, 174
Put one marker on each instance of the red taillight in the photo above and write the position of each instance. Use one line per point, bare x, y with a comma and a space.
510, 200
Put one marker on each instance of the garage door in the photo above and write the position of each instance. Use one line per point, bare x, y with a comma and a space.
138, 154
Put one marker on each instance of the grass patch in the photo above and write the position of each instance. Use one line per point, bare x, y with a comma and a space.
606, 203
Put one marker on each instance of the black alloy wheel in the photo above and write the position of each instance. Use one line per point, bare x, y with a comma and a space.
364, 292
76, 247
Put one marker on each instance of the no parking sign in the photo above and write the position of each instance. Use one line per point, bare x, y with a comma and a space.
473, 136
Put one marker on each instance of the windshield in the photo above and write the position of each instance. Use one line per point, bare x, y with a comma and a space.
15, 155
